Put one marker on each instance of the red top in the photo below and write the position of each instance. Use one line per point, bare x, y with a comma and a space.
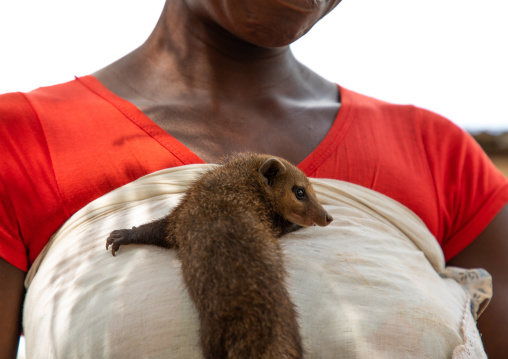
66, 145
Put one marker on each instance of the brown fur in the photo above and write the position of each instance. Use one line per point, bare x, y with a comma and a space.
226, 229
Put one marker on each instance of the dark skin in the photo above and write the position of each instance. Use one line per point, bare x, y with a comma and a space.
220, 77
218, 94
490, 251
11, 303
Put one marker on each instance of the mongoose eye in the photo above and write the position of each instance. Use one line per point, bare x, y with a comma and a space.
299, 193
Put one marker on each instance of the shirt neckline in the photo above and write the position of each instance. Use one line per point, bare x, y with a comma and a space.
308, 165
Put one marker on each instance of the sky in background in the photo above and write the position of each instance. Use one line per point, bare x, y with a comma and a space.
449, 56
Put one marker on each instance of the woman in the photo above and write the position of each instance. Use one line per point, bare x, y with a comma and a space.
219, 77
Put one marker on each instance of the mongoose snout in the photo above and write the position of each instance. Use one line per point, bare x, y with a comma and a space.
328, 219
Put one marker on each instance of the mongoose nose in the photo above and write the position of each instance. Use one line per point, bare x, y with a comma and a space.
328, 219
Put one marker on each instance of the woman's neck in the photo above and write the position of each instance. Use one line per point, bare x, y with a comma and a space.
188, 57
217, 94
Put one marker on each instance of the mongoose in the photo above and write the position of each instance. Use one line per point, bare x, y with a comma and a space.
226, 231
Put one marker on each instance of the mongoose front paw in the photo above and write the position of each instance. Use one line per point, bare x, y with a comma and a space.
117, 238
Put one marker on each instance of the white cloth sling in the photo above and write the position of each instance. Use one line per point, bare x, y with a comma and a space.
367, 286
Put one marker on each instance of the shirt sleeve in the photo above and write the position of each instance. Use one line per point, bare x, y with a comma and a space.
12, 112
469, 188
12, 248
30, 202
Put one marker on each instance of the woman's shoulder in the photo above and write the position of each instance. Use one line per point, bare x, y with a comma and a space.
386, 118
19, 108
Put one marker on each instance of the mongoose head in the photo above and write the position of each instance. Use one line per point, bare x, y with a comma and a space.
292, 194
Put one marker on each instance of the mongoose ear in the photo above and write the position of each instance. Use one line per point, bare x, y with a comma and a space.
270, 169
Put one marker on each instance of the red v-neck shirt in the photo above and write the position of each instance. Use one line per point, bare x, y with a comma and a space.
63, 146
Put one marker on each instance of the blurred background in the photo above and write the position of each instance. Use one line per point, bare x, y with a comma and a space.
448, 56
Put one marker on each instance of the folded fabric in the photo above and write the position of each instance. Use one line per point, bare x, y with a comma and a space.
372, 284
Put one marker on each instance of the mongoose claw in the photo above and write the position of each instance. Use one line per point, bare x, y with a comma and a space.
116, 239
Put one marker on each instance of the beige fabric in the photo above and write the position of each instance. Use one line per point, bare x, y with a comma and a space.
367, 286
